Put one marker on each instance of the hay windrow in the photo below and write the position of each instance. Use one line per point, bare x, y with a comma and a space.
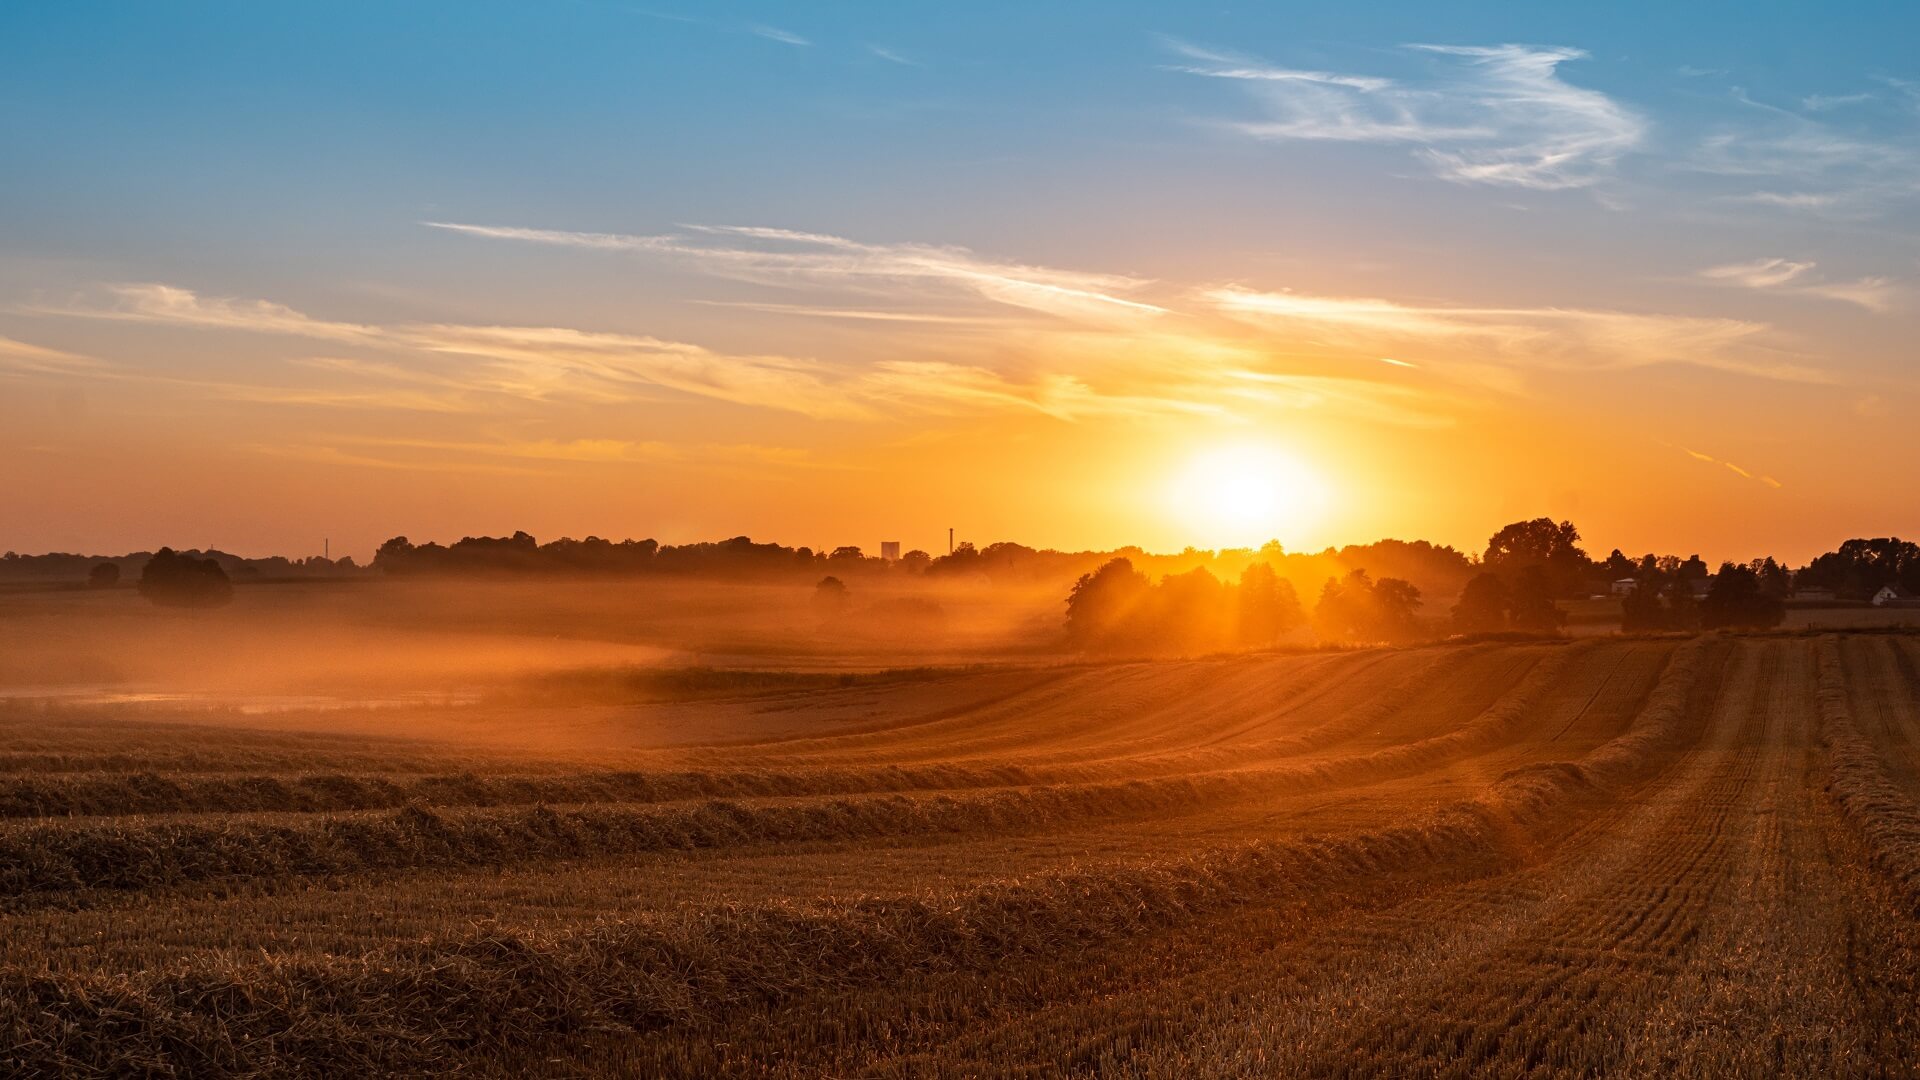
140, 853
1886, 816
436, 1005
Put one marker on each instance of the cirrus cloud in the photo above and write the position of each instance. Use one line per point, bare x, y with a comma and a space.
1499, 115
789, 257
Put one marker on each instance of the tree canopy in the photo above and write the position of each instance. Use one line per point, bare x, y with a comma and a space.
1738, 597
1859, 568
175, 580
1360, 610
1119, 608
1553, 549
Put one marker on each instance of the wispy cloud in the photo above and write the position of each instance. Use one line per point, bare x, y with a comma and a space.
1498, 115
604, 451
1758, 274
460, 368
1789, 200
774, 33
322, 453
893, 56
1376, 402
855, 314
1558, 135
942, 386
548, 362
1873, 293
371, 398
1547, 338
1787, 159
529, 362
1220, 65
20, 358
788, 257
155, 303
1824, 102
1744, 474
1789, 277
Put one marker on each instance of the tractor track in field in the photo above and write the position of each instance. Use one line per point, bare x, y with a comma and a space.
1623, 951
1654, 857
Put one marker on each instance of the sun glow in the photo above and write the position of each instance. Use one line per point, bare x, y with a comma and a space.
1245, 494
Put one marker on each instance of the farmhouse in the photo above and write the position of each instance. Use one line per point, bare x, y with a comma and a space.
1892, 594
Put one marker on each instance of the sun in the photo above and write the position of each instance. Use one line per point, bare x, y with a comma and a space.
1243, 494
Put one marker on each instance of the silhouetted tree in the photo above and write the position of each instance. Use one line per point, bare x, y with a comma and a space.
1683, 608
1188, 612
103, 576
1340, 613
830, 596
1642, 609
1774, 579
1395, 602
1737, 598
1662, 600
1482, 608
1530, 605
915, 561
1103, 606
1268, 606
964, 559
177, 580
1858, 568
1361, 610
1618, 566
395, 556
1555, 548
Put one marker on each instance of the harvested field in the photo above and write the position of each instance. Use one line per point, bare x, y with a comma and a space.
1694, 856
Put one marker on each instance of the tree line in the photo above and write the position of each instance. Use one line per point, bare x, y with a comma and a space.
1434, 567
1517, 585
1514, 584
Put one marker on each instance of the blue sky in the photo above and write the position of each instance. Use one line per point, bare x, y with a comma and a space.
327, 126
1722, 193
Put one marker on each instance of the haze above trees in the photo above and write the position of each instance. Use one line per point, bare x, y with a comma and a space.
1130, 599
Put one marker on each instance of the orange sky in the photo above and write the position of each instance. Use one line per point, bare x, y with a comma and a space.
1057, 417
1154, 291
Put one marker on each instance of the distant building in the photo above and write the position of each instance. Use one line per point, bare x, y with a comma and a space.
1624, 587
1891, 594
890, 550
1815, 594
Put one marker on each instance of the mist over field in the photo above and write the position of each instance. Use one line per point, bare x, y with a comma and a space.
673, 825
1120, 539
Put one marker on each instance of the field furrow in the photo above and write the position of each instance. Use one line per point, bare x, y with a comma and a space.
1486, 860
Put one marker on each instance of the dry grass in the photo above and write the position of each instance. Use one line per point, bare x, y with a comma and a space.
1495, 858
1883, 811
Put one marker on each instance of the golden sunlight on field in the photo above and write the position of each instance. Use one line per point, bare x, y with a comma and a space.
1646, 855
634, 538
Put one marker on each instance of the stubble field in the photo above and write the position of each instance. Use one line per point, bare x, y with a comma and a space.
1677, 856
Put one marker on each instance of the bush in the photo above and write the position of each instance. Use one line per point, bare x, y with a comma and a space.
175, 580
